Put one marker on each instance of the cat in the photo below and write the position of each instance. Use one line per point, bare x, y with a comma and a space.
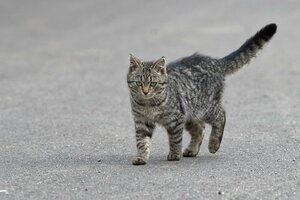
186, 94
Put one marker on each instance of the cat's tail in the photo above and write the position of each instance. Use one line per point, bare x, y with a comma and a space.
248, 50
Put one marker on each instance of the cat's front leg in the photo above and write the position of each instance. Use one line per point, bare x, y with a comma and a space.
143, 132
175, 129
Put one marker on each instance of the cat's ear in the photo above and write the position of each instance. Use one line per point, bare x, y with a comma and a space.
134, 63
160, 65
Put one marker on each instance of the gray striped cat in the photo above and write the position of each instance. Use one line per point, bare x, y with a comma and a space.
186, 94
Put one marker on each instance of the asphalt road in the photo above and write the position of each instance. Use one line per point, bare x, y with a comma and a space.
66, 130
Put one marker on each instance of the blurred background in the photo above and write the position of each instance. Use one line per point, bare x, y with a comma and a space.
64, 103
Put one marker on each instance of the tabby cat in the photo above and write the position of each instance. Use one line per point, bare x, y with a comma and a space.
186, 94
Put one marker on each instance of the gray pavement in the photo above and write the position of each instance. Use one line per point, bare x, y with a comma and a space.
65, 125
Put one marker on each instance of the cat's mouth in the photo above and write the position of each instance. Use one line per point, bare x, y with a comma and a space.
147, 96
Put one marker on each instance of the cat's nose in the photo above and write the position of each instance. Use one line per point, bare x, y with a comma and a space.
146, 90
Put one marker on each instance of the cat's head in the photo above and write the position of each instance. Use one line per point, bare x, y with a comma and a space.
147, 79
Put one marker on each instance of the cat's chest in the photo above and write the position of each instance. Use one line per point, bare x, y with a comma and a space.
152, 113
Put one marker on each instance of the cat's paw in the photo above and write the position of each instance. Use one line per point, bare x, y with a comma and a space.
190, 153
213, 146
174, 156
139, 161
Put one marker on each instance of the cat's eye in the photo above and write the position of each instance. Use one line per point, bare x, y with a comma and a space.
138, 83
153, 84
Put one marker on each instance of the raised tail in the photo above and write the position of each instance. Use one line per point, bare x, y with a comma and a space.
248, 50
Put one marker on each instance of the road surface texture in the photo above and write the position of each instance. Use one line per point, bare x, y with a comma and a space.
66, 130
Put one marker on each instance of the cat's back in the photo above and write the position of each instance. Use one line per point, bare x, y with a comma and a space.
194, 62
196, 73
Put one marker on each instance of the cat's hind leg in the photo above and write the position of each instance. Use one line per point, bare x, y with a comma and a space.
216, 135
196, 131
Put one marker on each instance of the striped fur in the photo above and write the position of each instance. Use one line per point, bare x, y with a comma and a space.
248, 50
186, 94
